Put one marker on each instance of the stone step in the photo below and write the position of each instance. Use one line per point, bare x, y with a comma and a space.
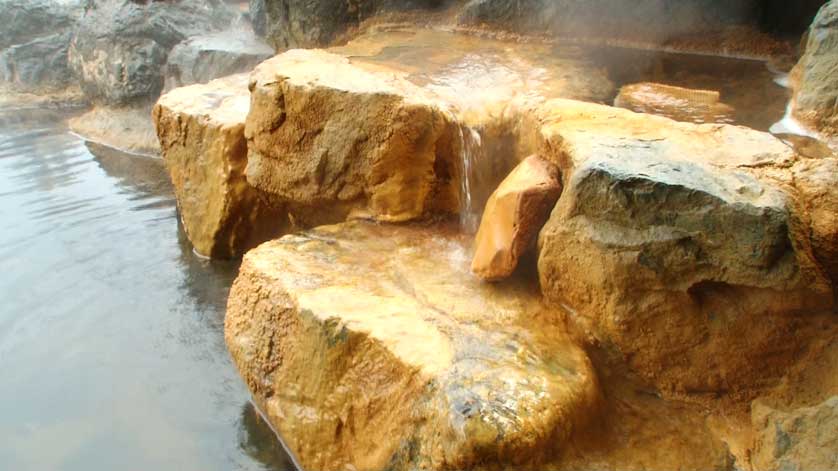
372, 346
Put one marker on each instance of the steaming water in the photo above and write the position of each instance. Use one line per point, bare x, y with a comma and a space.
111, 343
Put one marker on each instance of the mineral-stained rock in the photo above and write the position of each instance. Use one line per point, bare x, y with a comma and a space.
120, 47
201, 131
816, 181
814, 79
200, 59
514, 216
336, 139
372, 347
678, 244
127, 128
803, 438
681, 104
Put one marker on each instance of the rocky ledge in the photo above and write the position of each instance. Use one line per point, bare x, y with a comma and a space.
372, 347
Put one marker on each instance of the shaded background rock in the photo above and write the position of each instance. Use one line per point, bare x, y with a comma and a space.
815, 78
200, 59
27, 20
120, 47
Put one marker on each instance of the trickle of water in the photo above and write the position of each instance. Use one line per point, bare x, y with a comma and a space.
471, 145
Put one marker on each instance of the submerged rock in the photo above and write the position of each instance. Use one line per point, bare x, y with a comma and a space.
201, 131
371, 347
684, 245
514, 216
332, 139
200, 59
120, 47
814, 79
680, 104
803, 438
127, 128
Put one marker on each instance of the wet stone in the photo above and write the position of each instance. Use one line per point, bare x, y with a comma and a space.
373, 346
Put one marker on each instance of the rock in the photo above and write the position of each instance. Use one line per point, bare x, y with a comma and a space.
816, 181
372, 347
201, 131
38, 65
803, 438
120, 48
514, 216
258, 17
680, 104
200, 59
312, 23
683, 245
27, 20
331, 140
814, 80
127, 128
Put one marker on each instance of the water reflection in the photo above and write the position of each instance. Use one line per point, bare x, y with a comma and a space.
111, 329
258, 441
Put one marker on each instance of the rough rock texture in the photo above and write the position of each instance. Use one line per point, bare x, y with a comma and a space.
815, 78
680, 104
372, 347
200, 59
201, 131
333, 140
311, 23
683, 245
817, 183
514, 215
120, 47
38, 64
803, 438
26, 20
126, 128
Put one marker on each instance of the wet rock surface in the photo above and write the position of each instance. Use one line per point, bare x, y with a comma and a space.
680, 244
514, 215
200, 59
128, 128
201, 131
680, 104
120, 47
372, 346
814, 79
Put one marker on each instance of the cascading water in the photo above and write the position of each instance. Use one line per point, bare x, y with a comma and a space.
471, 145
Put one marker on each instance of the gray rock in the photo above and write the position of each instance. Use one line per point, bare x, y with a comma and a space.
26, 20
258, 17
203, 58
815, 79
121, 47
797, 439
309, 23
40, 64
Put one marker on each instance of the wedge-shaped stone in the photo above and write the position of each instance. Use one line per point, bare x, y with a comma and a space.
372, 347
682, 244
201, 132
514, 216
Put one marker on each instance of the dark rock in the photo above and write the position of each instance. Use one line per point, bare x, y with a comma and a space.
26, 20
200, 59
814, 79
37, 65
121, 47
258, 17
308, 23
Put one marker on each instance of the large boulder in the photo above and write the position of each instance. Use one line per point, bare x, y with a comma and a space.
799, 439
815, 78
201, 131
120, 48
26, 20
40, 64
200, 59
372, 347
513, 217
685, 246
332, 140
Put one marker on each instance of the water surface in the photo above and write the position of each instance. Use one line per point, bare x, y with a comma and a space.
111, 329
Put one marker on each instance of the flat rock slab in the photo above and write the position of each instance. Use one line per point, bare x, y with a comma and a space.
678, 103
201, 131
372, 346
